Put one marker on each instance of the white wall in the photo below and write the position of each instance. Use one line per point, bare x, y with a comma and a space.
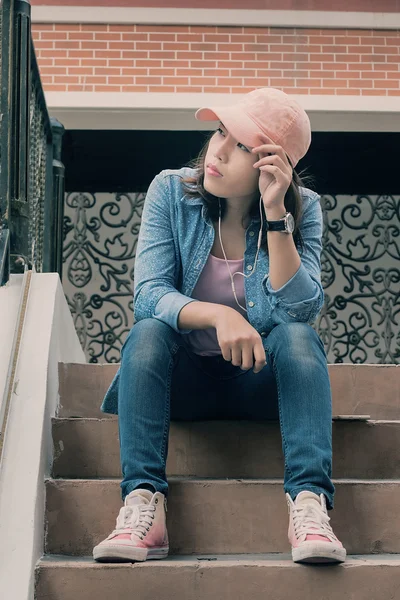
10, 296
48, 337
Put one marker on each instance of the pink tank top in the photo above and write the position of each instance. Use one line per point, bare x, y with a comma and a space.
214, 285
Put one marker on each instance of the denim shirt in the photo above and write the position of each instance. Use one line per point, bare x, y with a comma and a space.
175, 240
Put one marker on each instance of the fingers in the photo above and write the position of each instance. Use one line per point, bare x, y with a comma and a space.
259, 356
272, 149
247, 358
279, 175
243, 357
269, 149
236, 351
274, 160
226, 352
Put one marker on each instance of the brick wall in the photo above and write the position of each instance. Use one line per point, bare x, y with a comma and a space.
145, 58
320, 5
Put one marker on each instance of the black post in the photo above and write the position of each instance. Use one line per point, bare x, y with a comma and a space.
58, 195
5, 135
19, 88
4, 256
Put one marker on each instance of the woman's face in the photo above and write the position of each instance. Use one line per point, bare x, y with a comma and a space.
235, 163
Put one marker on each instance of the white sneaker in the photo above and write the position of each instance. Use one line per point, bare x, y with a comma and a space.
310, 533
141, 531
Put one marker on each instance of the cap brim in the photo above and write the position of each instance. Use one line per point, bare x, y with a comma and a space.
237, 122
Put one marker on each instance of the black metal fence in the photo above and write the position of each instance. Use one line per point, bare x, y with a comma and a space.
31, 171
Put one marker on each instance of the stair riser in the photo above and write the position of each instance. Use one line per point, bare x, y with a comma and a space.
218, 581
356, 389
221, 516
86, 449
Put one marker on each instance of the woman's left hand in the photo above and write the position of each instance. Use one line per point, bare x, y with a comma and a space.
275, 174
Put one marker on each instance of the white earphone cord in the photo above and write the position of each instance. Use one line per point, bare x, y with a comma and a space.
226, 260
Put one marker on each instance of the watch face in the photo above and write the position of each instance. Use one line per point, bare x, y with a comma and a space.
290, 223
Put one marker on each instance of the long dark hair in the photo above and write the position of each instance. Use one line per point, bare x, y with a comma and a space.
194, 187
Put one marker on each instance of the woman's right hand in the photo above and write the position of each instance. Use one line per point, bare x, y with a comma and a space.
240, 343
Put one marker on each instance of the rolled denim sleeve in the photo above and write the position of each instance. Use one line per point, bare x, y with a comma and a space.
157, 261
302, 297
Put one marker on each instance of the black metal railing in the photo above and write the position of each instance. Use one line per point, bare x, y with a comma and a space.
31, 171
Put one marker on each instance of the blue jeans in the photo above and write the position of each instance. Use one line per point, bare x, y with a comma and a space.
162, 379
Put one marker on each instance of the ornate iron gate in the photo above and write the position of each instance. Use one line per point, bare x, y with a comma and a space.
359, 322
31, 172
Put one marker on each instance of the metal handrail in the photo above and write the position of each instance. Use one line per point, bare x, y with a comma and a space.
4, 256
31, 171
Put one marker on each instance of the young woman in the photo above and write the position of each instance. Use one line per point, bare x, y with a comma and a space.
227, 283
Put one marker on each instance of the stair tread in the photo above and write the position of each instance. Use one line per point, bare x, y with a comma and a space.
225, 480
195, 559
367, 389
350, 417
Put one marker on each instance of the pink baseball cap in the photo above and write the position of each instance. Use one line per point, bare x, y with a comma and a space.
270, 111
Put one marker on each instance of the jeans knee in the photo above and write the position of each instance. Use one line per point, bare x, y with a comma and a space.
299, 340
147, 339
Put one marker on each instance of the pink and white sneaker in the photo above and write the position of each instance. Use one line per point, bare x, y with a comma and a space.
310, 533
141, 531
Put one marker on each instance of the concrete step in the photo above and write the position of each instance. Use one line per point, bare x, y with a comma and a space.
86, 448
217, 577
221, 516
356, 389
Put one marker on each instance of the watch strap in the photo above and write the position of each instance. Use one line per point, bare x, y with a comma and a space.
277, 225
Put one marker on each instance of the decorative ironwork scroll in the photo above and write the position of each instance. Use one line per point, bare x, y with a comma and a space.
359, 322
100, 237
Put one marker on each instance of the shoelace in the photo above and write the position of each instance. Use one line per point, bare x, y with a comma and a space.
307, 519
132, 519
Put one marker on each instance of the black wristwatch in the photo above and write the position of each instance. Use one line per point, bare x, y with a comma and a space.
285, 225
